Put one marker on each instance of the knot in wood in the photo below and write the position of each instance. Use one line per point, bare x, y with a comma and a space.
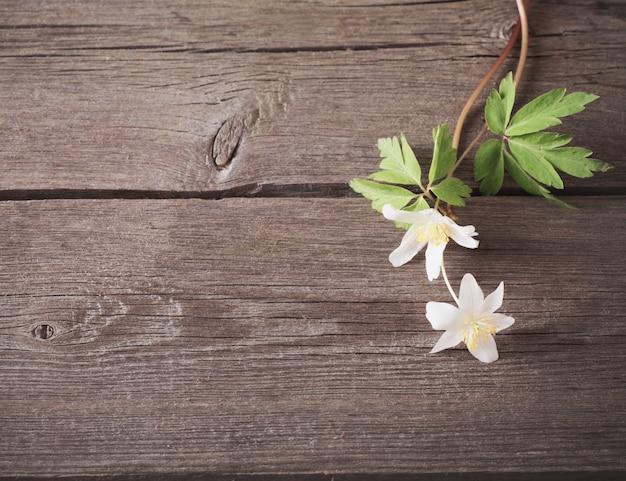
226, 141
505, 30
43, 331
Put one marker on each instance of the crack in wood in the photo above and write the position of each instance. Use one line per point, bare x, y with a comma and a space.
318, 48
251, 189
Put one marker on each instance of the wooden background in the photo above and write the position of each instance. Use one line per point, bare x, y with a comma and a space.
189, 289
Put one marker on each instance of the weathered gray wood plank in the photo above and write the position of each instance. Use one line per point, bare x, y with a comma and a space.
131, 96
266, 336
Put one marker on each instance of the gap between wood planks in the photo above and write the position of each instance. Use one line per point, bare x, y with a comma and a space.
313, 191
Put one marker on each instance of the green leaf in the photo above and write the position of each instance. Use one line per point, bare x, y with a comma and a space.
520, 176
500, 105
549, 146
527, 183
545, 111
444, 156
489, 167
575, 162
452, 191
558, 202
391, 177
532, 158
421, 204
381, 194
399, 164
544, 140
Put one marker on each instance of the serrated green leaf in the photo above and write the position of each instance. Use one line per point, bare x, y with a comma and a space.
500, 105
421, 204
444, 156
410, 161
520, 176
545, 140
391, 177
545, 111
528, 183
531, 158
452, 191
540, 147
399, 159
389, 148
489, 167
575, 161
381, 194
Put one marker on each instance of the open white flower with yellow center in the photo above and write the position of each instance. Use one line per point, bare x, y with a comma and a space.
473, 322
429, 228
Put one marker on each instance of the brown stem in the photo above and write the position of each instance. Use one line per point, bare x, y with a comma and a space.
465, 153
522, 24
523, 20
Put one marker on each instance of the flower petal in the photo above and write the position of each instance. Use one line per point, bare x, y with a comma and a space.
391, 213
447, 340
493, 302
434, 259
463, 235
501, 321
442, 315
470, 294
485, 351
406, 250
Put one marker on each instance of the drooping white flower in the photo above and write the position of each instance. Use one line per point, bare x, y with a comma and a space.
429, 228
473, 322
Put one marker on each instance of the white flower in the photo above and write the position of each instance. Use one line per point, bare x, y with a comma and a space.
432, 228
474, 322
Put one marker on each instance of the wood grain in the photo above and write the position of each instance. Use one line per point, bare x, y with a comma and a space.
187, 290
271, 336
133, 96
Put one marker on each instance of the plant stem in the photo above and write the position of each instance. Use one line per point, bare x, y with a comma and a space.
447, 281
523, 20
465, 153
522, 24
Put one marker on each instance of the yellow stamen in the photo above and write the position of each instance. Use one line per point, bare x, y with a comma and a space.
477, 331
434, 232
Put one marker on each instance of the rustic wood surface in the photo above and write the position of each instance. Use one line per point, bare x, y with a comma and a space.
189, 290
131, 95
271, 335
